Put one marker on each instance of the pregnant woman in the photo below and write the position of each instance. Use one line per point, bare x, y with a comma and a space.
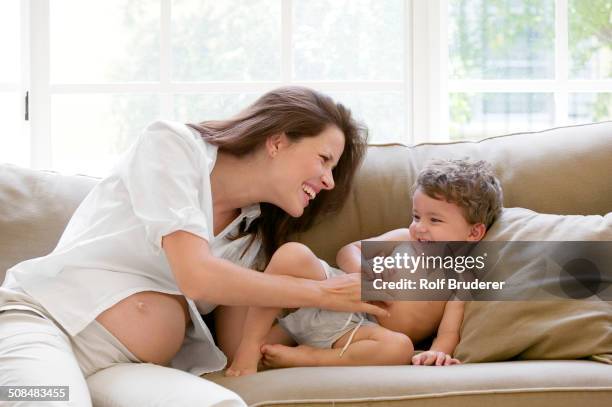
178, 227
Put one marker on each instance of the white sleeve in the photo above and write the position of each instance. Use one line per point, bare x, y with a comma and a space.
163, 176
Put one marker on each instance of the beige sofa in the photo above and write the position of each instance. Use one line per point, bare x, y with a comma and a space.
564, 170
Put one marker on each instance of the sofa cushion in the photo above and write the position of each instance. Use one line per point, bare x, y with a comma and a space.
564, 329
528, 383
563, 170
521, 224
35, 207
556, 171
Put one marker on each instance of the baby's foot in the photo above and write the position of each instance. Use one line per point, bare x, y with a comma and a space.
286, 356
245, 360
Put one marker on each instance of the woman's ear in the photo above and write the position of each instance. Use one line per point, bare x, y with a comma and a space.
477, 232
275, 143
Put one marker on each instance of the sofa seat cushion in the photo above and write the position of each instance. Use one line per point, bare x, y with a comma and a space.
558, 383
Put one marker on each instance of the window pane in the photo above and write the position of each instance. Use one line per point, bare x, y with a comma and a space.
382, 113
225, 40
590, 107
104, 41
475, 116
89, 132
348, 40
590, 38
10, 41
14, 146
213, 106
501, 39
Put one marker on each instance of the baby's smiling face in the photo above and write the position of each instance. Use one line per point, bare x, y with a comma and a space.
437, 220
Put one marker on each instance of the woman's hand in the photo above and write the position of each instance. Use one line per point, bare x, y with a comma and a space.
434, 357
343, 293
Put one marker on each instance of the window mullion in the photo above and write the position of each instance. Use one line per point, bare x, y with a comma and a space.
24, 86
420, 68
561, 62
589, 86
409, 100
39, 80
286, 41
440, 107
165, 68
501, 85
9, 87
222, 86
429, 70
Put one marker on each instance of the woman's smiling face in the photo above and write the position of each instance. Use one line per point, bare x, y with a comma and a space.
303, 168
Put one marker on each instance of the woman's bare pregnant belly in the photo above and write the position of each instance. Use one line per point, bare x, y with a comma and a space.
150, 324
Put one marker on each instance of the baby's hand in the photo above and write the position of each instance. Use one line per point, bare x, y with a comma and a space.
433, 357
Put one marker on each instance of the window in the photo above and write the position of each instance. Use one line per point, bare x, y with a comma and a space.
107, 68
527, 65
13, 146
414, 70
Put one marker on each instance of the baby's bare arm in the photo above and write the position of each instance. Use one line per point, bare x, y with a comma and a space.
349, 257
448, 332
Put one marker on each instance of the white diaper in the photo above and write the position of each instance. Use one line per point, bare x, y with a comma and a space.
321, 328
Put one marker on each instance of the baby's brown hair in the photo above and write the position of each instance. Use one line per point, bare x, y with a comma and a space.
472, 185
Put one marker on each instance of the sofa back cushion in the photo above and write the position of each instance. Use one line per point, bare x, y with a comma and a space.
561, 171
564, 170
35, 207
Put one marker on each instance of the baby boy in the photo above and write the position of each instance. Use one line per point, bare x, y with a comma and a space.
453, 200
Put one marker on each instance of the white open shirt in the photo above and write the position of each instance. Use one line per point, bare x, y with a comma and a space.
111, 247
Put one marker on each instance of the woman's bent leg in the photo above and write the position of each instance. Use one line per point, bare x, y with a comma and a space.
293, 259
144, 384
35, 352
290, 259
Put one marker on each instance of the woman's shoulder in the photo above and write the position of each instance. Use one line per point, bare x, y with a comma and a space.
171, 129
167, 132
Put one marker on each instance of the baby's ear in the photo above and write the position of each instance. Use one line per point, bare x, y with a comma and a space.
477, 232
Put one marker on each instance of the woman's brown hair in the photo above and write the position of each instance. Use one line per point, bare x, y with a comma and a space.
298, 112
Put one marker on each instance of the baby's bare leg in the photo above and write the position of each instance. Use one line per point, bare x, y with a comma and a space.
371, 345
292, 259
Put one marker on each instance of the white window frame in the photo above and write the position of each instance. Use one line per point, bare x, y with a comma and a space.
18, 87
561, 86
429, 64
37, 12
425, 85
